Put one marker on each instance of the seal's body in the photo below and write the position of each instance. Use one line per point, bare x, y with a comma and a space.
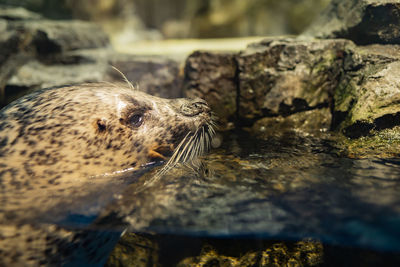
56, 142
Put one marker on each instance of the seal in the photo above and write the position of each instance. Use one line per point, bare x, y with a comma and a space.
60, 143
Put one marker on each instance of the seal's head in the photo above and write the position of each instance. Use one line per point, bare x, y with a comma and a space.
64, 134
57, 147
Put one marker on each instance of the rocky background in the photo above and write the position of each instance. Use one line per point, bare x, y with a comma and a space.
338, 80
131, 20
340, 74
37, 53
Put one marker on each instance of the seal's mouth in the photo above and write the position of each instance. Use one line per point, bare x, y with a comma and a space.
193, 145
161, 152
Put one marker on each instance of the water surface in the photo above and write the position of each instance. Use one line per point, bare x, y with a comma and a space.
286, 188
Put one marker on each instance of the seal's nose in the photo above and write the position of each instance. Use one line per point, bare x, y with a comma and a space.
194, 107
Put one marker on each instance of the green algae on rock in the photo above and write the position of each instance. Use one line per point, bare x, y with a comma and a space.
285, 76
367, 97
134, 250
301, 253
381, 144
310, 122
302, 84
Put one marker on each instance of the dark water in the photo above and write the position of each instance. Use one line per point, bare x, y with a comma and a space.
285, 188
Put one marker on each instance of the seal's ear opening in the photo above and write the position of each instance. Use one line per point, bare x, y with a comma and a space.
100, 125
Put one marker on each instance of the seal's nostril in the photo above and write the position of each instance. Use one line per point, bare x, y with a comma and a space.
199, 101
194, 107
200, 104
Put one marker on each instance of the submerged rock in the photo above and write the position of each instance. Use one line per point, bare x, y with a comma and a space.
302, 253
134, 250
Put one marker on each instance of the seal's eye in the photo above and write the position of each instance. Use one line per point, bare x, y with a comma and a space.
136, 120
133, 118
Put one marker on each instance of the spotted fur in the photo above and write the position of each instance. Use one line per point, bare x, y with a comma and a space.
63, 142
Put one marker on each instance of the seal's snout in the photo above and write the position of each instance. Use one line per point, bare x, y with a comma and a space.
194, 107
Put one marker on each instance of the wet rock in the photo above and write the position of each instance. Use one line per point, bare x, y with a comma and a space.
304, 86
212, 76
134, 250
285, 76
302, 253
367, 97
209, 257
277, 77
364, 22
381, 144
306, 122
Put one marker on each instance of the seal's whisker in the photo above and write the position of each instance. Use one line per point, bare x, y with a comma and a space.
204, 144
127, 134
214, 123
137, 87
209, 136
189, 144
197, 146
193, 145
185, 152
180, 153
206, 141
211, 127
125, 79
171, 162
201, 141
178, 150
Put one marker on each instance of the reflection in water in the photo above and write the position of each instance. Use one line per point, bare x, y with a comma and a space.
285, 188
250, 192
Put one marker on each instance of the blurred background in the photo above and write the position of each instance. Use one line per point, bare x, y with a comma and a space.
148, 22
